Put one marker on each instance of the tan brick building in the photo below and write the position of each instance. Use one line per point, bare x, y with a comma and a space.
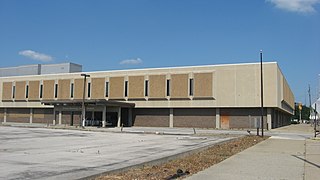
212, 96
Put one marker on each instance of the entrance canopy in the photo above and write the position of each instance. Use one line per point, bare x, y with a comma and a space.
98, 112
87, 102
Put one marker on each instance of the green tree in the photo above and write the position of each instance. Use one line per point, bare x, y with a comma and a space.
305, 112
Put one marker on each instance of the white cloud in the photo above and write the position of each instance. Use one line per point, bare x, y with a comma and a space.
131, 61
301, 6
36, 56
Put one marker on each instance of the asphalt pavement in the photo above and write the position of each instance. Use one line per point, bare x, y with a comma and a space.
41, 153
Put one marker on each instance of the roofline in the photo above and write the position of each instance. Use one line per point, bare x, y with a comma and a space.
144, 69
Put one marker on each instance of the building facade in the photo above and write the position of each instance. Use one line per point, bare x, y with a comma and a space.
212, 96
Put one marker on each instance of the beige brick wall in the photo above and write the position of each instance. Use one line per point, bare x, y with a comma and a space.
157, 86
34, 90
116, 88
48, 89
179, 86
98, 88
78, 88
7, 91
20, 90
136, 87
64, 89
203, 85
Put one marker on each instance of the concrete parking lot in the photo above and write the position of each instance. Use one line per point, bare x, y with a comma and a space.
39, 153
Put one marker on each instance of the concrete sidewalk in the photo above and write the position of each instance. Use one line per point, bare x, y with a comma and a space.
275, 158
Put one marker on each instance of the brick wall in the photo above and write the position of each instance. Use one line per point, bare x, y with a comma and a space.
200, 118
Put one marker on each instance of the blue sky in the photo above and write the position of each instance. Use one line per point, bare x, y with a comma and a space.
123, 34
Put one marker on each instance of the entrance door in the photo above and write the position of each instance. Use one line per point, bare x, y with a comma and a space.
224, 122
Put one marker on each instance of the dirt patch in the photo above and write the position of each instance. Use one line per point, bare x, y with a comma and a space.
188, 165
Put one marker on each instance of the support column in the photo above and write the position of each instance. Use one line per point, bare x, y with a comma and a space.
5, 115
54, 118
269, 118
218, 123
171, 118
130, 117
60, 117
119, 117
104, 116
31, 115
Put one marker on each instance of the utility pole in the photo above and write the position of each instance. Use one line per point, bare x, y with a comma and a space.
261, 71
83, 98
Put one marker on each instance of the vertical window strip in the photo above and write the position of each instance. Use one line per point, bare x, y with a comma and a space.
126, 88
71, 90
107, 89
89, 89
41, 90
168, 87
13, 91
146, 88
55, 90
27, 91
191, 87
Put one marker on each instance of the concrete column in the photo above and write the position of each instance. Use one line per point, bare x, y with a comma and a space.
269, 118
218, 124
104, 116
31, 115
171, 118
130, 117
54, 118
60, 117
5, 115
119, 117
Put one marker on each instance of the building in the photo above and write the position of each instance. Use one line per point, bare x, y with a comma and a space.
38, 69
212, 96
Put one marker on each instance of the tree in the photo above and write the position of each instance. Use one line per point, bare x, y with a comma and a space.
305, 112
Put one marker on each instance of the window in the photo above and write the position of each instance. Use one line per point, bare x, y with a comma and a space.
89, 89
71, 90
168, 87
27, 91
146, 88
191, 87
13, 91
55, 90
107, 89
41, 90
126, 88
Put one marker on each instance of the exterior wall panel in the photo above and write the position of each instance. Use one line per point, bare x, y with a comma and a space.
48, 89
63, 89
1, 115
98, 90
288, 96
116, 87
242, 117
78, 88
136, 87
34, 90
20, 91
157, 85
179, 86
197, 118
203, 85
151, 117
7, 91
42, 116
19, 115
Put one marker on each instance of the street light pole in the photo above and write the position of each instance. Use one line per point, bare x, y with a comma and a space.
83, 98
261, 71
